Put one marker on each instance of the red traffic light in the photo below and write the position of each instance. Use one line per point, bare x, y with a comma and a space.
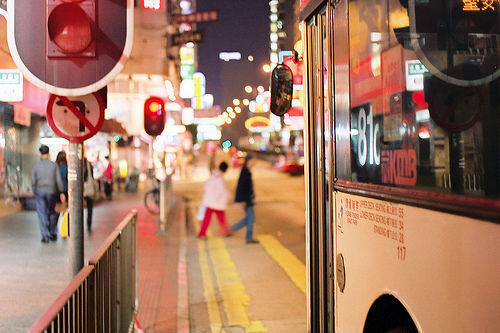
69, 26
70, 47
154, 116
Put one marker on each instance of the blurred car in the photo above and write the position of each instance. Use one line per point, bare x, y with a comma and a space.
293, 167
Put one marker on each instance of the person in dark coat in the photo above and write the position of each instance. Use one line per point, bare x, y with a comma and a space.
47, 182
245, 194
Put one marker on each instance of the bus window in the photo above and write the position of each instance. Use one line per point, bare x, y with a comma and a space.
425, 111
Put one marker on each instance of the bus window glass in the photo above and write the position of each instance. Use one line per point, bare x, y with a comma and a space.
424, 94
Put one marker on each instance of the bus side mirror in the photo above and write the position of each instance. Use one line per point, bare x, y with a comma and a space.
281, 90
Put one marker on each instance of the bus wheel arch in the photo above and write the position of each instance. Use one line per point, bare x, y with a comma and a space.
387, 314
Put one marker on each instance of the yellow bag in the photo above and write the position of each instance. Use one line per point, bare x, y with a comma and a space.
64, 225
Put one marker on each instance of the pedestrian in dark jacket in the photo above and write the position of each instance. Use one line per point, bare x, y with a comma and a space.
245, 194
47, 182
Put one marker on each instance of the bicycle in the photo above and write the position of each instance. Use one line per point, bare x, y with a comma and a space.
152, 200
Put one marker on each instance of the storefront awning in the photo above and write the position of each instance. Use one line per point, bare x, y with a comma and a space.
113, 127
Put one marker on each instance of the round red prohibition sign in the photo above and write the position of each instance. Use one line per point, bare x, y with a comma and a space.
75, 118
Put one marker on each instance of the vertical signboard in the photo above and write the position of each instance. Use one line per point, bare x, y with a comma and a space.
11, 85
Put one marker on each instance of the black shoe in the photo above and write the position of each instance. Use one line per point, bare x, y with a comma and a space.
45, 240
53, 237
252, 241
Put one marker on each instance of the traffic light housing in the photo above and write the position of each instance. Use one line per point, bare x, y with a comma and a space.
457, 41
70, 28
70, 47
154, 116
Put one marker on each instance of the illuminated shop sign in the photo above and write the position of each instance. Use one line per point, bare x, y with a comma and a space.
202, 102
153, 5
11, 85
199, 84
187, 71
186, 89
186, 55
227, 56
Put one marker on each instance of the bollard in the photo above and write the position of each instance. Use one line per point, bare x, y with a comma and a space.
163, 204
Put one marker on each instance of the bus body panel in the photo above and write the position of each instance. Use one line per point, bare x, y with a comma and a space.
443, 268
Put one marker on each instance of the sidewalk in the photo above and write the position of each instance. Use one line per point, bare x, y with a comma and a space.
162, 279
33, 274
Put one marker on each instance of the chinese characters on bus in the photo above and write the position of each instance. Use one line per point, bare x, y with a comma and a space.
384, 219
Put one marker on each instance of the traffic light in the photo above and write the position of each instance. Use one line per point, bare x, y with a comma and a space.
70, 47
154, 116
70, 28
457, 41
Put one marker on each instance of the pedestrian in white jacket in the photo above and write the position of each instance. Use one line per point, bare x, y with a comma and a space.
214, 200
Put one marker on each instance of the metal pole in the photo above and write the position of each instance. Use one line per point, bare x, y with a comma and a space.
75, 207
163, 203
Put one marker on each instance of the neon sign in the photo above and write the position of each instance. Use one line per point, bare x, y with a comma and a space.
153, 5
479, 5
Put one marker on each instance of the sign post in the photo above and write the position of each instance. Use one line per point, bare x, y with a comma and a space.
76, 119
75, 207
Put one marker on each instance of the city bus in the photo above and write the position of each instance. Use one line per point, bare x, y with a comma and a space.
402, 165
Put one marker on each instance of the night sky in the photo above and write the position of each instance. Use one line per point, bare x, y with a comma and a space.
243, 26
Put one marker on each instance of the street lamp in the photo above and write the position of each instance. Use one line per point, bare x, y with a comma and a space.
236, 101
248, 89
266, 68
246, 102
260, 89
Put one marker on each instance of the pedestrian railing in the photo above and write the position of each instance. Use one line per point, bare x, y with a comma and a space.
102, 297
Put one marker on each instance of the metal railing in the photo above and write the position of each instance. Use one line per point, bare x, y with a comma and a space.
102, 297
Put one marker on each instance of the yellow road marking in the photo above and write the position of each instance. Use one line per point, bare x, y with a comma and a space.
208, 287
235, 299
231, 288
292, 266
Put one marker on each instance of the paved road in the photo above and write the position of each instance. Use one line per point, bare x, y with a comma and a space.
233, 284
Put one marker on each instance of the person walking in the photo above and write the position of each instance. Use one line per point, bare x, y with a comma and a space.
63, 169
47, 182
214, 200
245, 194
89, 191
108, 179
